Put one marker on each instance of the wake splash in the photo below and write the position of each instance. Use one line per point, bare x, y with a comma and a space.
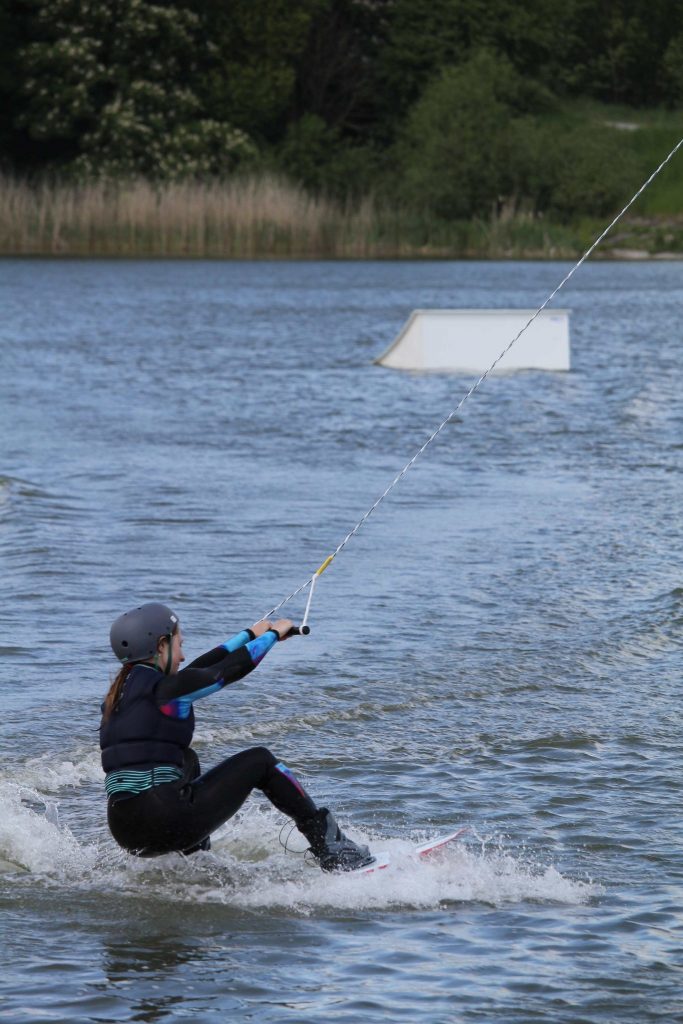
468, 871
247, 867
33, 841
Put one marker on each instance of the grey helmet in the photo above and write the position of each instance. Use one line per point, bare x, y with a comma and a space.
135, 634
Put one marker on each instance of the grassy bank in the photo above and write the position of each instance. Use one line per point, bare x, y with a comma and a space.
266, 217
261, 216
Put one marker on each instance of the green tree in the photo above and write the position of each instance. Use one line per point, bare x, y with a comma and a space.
15, 147
671, 72
335, 132
337, 73
571, 167
614, 51
113, 83
457, 150
247, 74
424, 37
323, 161
480, 140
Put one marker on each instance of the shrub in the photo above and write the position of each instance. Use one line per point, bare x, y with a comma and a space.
479, 142
456, 155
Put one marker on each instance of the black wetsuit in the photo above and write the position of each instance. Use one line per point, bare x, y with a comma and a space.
158, 800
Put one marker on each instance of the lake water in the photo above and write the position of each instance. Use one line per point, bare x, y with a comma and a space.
500, 645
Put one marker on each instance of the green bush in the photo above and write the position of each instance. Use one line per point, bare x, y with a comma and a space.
483, 141
319, 158
671, 72
568, 169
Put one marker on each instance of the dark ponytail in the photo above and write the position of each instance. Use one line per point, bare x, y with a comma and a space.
114, 692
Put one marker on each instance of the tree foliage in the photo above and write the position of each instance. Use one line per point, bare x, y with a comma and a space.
248, 69
457, 149
479, 141
443, 104
113, 83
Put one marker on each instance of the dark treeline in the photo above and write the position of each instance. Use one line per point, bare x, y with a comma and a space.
462, 107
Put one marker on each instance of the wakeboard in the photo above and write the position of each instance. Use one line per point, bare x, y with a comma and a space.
421, 852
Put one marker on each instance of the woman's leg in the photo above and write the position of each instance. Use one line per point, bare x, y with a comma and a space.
180, 816
224, 789
192, 771
220, 792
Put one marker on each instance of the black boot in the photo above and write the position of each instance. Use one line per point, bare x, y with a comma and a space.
332, 849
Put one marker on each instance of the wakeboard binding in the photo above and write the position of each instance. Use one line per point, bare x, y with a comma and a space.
331, 848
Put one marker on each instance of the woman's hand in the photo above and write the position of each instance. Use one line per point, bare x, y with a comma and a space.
261, 627
281, 627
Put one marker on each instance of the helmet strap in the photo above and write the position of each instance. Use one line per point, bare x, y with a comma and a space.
169, 655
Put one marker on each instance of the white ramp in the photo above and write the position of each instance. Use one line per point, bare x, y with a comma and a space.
469, 340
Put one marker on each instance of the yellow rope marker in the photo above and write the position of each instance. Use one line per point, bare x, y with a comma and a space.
305, 628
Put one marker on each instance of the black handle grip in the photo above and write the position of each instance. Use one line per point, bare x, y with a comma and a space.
298, 631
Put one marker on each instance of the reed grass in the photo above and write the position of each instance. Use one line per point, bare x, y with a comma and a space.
247, 217
261, 216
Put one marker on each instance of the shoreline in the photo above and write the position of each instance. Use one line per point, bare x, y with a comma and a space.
608, 256
268, 218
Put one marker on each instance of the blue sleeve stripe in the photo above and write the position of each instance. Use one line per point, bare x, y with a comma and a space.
238, 640
259, 647
180, 707
205, 691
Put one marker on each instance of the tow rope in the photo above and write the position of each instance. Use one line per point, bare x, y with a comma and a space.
311, 581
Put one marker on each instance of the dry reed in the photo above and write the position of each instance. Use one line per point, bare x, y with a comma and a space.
259, 216
245, 217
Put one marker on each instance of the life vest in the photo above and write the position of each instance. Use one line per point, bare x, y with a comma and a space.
137, 733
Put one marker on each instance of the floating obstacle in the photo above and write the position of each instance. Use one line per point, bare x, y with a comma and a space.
469, 340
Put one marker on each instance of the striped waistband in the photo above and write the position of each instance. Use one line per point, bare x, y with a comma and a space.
134, 782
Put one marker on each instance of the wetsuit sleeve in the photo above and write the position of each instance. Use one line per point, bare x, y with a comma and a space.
218, 653
238, 640
175, 694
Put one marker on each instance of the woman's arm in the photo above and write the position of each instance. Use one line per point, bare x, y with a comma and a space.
234, 643
175, 694
218, 653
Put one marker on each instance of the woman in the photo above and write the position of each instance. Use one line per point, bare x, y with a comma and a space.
158, 801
